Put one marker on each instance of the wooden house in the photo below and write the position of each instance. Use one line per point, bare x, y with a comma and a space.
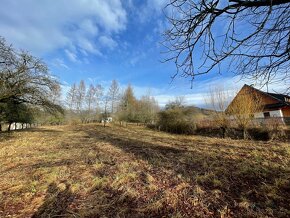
272, 104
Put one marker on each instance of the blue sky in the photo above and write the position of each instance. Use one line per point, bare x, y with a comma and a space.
102, 40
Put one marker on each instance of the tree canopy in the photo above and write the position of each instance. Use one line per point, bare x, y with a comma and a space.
26, 79
25, 82
251, 37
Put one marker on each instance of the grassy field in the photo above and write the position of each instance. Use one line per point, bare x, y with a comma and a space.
91, 171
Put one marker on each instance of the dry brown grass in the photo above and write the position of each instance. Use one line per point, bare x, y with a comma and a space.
91, 171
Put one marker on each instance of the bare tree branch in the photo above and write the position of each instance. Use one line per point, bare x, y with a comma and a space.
251, 38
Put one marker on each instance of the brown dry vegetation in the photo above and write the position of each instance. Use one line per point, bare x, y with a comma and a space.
91, 171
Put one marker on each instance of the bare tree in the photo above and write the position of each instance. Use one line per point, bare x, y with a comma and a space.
71, 97
84, 102
90, 97
99, 93
147, 109
252, 37
179, 101
80, 96
243, 107
218, 100
106, 102
114, 94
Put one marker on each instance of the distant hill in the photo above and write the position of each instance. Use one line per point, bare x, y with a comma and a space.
199, 112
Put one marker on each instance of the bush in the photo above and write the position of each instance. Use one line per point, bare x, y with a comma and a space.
275, 128
176, 120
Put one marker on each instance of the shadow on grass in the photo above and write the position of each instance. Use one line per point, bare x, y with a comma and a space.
4, 135
56, 202
108, 202
239, 177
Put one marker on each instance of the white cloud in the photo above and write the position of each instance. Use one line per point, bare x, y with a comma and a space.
59, 63
107, 41
88, 46
146, 10
137, 57
158, 4
160, 27
89, 27
140, 91
71, 56
197, 99
44, 26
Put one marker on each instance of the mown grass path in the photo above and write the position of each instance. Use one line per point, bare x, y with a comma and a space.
91, 171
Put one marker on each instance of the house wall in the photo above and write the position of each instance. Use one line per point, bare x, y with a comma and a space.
264, 97
274, 113
265, 100
259, 115
286, 111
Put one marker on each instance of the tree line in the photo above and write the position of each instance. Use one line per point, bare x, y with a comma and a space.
94, 103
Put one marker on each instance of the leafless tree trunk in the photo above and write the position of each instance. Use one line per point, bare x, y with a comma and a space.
106, 101
80, 97
71, 97
90, 97
243, 107
114, 94
218, 100
99, 96
90, 100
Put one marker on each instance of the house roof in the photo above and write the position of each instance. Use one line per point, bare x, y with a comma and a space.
283, 100
280, 97
277, 105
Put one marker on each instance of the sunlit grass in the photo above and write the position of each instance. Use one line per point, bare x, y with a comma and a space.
135, 172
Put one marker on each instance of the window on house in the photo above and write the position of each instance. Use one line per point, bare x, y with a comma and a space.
266, 114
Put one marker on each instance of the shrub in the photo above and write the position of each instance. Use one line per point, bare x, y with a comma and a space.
176, 120
275, 128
